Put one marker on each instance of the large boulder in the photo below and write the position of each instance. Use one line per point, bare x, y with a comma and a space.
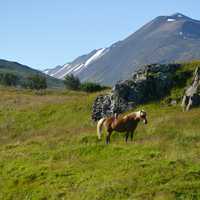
151, 82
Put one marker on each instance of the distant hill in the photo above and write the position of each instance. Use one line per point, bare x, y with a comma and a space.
23, 72
165, 39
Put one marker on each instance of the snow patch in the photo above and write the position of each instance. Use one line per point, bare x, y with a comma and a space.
69, 70
180, 15
46, 71
62, 68
171, 20
96, 56
79, 67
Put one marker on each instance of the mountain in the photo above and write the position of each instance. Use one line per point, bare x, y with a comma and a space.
165, 39
77, 66
23, 72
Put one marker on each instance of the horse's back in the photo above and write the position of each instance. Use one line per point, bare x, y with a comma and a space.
125, 124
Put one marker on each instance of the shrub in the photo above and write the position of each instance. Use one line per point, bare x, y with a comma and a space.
8, 79
36, 82
91, 87
72, 82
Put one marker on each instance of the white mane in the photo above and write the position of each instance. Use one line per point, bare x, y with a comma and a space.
137, 113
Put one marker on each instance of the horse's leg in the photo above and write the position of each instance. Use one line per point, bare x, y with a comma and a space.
108, 136
132, 135
126, 136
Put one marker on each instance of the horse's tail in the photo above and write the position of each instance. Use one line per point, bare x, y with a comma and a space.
99, 127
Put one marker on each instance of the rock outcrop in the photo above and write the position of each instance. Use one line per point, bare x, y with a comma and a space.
191, 97
151, 82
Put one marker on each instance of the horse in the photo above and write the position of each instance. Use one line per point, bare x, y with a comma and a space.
127, 123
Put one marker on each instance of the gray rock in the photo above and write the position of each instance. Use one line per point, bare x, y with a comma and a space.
173, 102
150, 83
191, 97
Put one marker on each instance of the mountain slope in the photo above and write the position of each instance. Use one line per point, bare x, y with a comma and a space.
77, 66
23, 72
164, 39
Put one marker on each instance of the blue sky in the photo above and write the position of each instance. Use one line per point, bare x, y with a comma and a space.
45, 33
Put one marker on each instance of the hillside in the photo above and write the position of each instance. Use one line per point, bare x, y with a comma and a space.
165, 39
49, 150
23, 72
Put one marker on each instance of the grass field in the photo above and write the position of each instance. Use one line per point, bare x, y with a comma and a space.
49, 150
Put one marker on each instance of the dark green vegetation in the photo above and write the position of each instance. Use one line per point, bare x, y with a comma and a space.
37, 82
73, 83
8, 79
92, 87
49, 150
22, 73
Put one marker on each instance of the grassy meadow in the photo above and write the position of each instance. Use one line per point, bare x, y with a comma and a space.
49, 150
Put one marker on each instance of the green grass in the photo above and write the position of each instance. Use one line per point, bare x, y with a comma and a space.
49, 150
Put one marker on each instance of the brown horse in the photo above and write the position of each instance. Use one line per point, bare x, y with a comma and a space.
127, 123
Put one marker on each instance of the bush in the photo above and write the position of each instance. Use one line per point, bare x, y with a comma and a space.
91, 87
72, 82
36, 82
8, 79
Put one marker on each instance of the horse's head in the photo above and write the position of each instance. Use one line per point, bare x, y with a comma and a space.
143, 116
